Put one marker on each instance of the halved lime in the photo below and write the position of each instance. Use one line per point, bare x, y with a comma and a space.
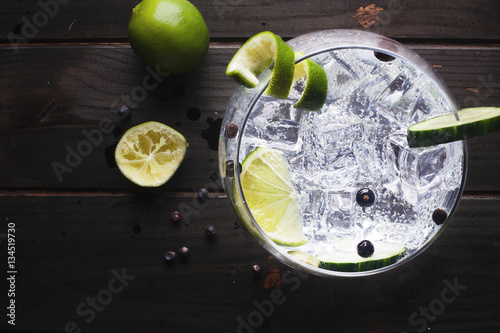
150, 153
270, 196
442, 129
349, 261
316, 85
258, 53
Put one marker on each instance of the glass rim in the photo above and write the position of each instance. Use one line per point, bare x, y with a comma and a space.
279, 251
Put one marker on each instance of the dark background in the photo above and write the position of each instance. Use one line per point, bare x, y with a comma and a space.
77, 233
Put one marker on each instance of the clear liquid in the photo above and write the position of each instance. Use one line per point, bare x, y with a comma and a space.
356, 141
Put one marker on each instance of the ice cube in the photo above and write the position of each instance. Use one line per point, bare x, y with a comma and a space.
395, 90
445, 186
418, 169
359, 104
275, 122
452, 168
407, 105
357, 62
430, 162
369, 162
314, 155
391, 179
394, 208
328, 150
344, 72
398, 97
297, 90
344, 58
313, 204
338, 139
420, 111
339, 210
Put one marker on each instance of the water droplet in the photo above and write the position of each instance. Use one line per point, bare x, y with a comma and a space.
136, 229
193, 113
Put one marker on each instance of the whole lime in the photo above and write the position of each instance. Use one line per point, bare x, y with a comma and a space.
168, 35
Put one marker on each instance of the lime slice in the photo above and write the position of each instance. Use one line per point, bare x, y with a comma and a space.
270, 196
316, 85
442, 129
305, 257
258, 53
150, 153
349, 261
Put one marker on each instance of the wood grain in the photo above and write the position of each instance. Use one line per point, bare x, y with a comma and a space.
68, 245
93, 19
56, 95
61, 86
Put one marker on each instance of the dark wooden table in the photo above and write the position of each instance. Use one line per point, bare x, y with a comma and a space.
89, 244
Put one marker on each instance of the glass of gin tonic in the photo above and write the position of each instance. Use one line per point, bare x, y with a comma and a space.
352, 198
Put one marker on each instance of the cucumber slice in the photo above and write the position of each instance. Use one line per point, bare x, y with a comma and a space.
442, 129
349, 261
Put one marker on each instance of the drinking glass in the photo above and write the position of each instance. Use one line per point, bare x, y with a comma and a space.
377, 88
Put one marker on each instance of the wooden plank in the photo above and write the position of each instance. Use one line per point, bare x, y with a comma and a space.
67, 247
60, 92
53, 95
77, 20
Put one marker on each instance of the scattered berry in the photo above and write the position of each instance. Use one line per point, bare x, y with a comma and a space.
365, 197
183, 252
366, 249
123, 112
256, 270
231, 130
169, 256
202, 194
175, 216
210, 231
439, 216
383, 56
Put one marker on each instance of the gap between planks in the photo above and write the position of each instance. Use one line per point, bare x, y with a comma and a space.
102, 193
493, 196
231, 43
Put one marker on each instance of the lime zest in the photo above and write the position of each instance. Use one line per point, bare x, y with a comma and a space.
316, 85
265, 49
258, 53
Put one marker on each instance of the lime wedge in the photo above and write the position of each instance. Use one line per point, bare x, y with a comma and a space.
270, 196
349, 261
442, 129
316, 85
258, 53
150, 153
